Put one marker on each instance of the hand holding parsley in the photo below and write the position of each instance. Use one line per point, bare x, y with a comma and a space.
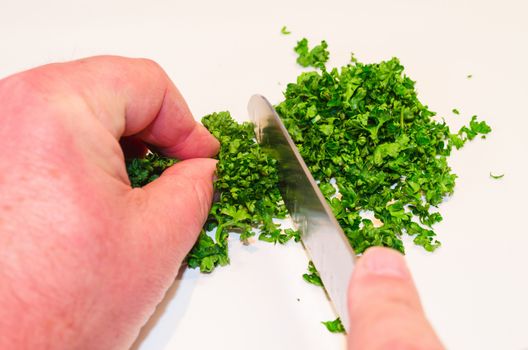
86, 258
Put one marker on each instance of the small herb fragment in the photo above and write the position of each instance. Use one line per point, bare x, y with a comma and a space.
469, 76
285, 30
316, 57
496, 176
335, 326
455, 111
312, 276
475, 128
141, 171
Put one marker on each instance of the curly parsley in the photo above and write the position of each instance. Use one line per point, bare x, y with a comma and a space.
249, 198
141, 171
364, 126
316, 57
361, 126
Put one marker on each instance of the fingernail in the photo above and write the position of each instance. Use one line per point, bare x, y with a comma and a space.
384, 262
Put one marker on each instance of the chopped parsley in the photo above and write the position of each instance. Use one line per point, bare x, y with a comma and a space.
335, 326
361, 130
313, 275
455, 111
316, 57
285, 30
363, 126
141, 171
469, 132
249, 198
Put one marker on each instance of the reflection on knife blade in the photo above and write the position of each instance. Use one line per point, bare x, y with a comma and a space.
322, 236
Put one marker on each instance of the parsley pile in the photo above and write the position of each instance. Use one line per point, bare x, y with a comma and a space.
247, 187
364, 127
377, 152
370, 143
249, 198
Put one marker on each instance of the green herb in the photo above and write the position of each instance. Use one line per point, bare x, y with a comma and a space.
496, 176
471, 131
364, 127
455, 111
335, 326
285, 31
249, 198
247, 183
362, 131
469, 76
316, 57
278, 236
141, 171
312, 276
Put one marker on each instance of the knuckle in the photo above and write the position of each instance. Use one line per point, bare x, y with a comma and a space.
32, 83
151, 65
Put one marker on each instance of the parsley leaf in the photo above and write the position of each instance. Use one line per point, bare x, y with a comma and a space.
496, 176
335, 326
475, 128
455, 111
316, 57
312, 276
141, 171
285, 30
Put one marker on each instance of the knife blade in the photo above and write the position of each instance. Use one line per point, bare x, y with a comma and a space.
321, 235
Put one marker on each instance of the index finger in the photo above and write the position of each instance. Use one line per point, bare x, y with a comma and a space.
134, 97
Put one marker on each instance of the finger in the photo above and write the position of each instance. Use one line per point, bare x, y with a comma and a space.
385, 310
131, 97
173, 208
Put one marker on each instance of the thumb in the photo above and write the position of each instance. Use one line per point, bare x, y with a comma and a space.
175, 206
385, 310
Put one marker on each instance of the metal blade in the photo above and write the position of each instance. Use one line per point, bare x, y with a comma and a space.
323, 238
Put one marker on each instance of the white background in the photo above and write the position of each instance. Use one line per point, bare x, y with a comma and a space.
474, 288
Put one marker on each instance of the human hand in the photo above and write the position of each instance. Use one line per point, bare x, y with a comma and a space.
85, 258
384, 307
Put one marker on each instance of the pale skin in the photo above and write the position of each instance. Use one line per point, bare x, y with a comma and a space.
84, 258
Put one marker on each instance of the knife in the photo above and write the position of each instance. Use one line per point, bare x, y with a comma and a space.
321, 235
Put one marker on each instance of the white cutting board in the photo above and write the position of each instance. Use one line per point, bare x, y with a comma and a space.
474, 288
